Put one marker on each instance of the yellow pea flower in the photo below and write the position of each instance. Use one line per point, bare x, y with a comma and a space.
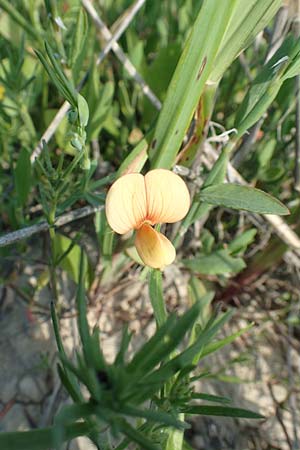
137, 202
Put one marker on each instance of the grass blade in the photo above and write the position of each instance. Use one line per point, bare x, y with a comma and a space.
189, 79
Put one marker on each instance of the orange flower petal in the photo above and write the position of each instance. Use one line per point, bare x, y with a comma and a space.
154, 248
126, 206
168, 198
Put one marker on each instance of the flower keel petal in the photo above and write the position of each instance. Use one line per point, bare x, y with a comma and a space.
168, 198
154, 248
126, 206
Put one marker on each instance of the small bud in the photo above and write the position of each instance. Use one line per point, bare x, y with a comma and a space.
86, 163
75, 142
72, 116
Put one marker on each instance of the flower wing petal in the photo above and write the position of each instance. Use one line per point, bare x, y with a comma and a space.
154, 248
126, 205
168, 198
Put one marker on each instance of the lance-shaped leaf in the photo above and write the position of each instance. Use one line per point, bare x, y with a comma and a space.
79, 43
249, 18
242, 197
210, 398
284, 64
164, 341
57, 75
41, 439
223, 411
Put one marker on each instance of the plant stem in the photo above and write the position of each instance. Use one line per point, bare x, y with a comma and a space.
53, 256
156, 297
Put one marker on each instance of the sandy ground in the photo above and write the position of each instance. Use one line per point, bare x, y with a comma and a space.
259, 371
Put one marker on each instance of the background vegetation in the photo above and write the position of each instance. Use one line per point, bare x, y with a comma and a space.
184, 85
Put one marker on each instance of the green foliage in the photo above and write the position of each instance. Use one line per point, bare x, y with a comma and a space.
67, 254
78, 45
156, 296
225, 411
242, 197
188, 81
57, 75
118, 391
283, 65
248, 19
144, 397
40, 439
217, 263
23, 176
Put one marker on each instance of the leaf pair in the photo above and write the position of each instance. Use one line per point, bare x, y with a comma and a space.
63, 85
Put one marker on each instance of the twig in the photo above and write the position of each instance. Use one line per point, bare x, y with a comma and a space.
50, 130
48, 412
24, 233
120, 54
109, 46
113, 38
295, 309
279, 416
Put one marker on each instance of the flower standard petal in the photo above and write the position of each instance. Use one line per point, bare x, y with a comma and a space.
154, 248
126, 206
168, 198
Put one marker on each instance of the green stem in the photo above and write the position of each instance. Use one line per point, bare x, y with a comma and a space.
52, 266
156, 297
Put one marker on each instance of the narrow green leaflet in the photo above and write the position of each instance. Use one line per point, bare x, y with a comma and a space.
41, 439
79, 43
156, 296
83, 325
189, 356
124, 344
68, 257
249, 18
23, 176
57, 75
154, 415
18, 18
67, 377
218, 173
136, 436
217, 345
265, 87
99, 97
241, 242
224, 411
211, 398
217, 263
242, 197
164, 341
83, 110
188, 81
